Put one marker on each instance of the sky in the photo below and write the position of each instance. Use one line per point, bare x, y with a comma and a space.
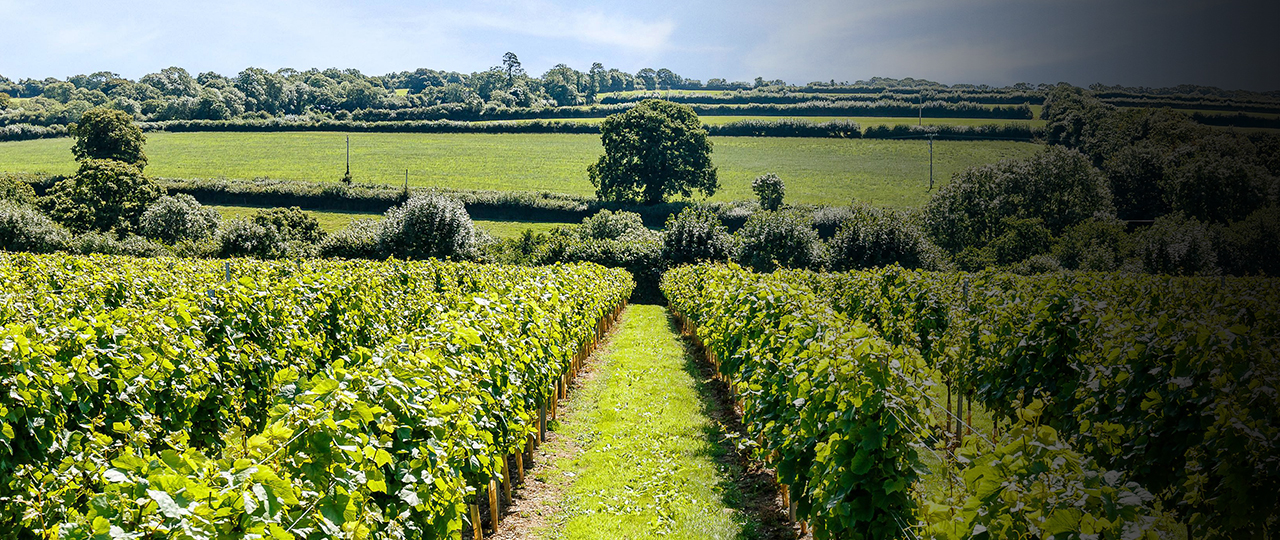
1225, 43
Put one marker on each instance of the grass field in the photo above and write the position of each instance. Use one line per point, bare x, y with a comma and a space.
819, 171
333, 221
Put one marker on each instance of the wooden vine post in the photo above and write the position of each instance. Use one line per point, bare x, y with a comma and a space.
506, 478
476, 528
493, 505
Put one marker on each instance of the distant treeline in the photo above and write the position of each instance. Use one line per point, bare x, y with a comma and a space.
786, 127
738, 98
930, 109
1206, 104
1236, 120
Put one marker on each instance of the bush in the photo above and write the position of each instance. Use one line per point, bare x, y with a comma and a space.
16, 190
874, 238
696, 235
244, 238
1177, 245
108, 244
606, 225
358, 241
23, 228
179, 217
773, 239
1058, 186
770, 190
640, 254
1096, 244
293, 224
428, 226
1252, 246
104, 194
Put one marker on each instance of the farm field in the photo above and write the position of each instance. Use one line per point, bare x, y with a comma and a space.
332, 221
817, 171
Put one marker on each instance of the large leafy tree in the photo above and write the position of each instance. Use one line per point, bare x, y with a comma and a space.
105, 194
655, 150
104, 133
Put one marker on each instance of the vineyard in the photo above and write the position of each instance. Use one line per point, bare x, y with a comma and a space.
909, 404
200, 399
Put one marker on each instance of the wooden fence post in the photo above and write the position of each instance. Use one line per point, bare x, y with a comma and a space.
476, 527
493, 505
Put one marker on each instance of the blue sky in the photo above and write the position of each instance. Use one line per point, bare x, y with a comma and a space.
1132, 42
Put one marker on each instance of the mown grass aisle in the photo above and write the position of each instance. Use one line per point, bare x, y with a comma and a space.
647, 465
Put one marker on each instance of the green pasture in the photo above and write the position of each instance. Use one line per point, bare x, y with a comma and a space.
818, 171
863, 121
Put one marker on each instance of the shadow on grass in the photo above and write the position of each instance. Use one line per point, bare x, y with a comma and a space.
746, 485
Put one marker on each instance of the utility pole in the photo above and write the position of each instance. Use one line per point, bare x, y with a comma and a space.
346, 178
920, 98
931, 135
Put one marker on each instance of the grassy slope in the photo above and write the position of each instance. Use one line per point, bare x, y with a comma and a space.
333, 221
821, 171
648, 462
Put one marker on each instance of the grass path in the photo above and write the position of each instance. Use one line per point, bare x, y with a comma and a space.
646, 458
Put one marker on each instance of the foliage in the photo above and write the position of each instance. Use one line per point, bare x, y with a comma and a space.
292, 223
606, 225
103, 195
174, 218
23, 228
639, 253
823, 393
1177, 245
14, 189
358, 241
769, 190
107, 244
1057, 186
247, 397
1251, 246
652, 151
103, 133
779, 239
872, 237
247, 238
428, 226
1095, 244
1159, 378
696, 235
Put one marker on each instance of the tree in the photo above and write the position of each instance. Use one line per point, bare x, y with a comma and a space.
511, 65
104, 133
103, 195
770, 190
4, 101
651, 151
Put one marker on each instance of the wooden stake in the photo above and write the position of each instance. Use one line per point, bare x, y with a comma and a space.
506, 478
476, 528
520, 465
493, 505
786, 502
804, 528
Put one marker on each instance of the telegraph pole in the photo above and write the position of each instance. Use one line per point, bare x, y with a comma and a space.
931, 135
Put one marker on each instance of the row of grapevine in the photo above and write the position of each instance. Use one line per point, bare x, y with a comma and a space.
822, 366
1170, 380
822, 394
201, 399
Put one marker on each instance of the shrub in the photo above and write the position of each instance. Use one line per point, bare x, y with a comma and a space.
1177, 244
1096, 244
293, 224
428, 226
107, 244
1022, 239
873, 238
696, 235
1252, 246
1058, 186
770, 190
104, 194
104, 133
244, 238
358, 241
606, 225
773, 239
640, 254
16, 190
178, 217
23, 228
